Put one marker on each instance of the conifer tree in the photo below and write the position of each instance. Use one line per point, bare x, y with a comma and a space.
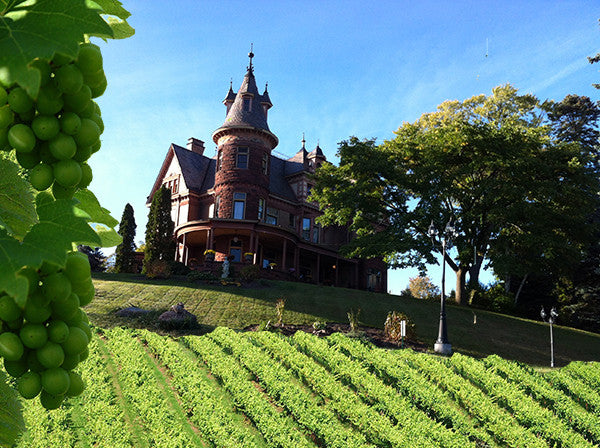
159, 230
125, 253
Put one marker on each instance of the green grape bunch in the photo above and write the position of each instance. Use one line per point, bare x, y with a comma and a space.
43, 343
56, 133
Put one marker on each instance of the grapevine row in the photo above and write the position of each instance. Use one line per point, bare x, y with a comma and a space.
413, 385
373, 390
378, 428
165, 428
218, 422
536, 386
588, 372
479, 405
585, 395
524, 408
278, 429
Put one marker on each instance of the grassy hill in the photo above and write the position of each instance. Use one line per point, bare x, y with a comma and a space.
472, 332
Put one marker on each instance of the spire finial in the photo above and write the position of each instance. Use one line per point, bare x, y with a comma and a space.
303, 141
251, 55
231, 83
266, 86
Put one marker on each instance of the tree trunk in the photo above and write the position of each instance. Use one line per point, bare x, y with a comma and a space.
520, 288
461, 295
474, 273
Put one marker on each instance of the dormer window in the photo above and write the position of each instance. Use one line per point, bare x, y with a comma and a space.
247, 104
242, 157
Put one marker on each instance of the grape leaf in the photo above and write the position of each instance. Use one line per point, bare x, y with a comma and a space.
39, 29
121, 29
12, 258
109, 237
11, 414
17, 211
90, 204
113, 8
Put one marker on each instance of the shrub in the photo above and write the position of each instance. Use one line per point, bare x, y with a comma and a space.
250, 273
494, 298
392, 327
279, 308
353, 320
178, 268
158, 269
195, 276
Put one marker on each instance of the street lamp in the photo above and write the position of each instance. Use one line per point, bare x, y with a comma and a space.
442, 345
551, 319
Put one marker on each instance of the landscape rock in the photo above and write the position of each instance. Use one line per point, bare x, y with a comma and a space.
177, 317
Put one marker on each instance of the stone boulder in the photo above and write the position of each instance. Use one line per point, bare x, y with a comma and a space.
177, 318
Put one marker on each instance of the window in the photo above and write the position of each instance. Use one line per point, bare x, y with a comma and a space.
175, 188
306, 228
239, 204
261, 209
219, 160
217, 202
242, 157
265, 164
292, 222
247, 104
316, 234
272, 215
235, 249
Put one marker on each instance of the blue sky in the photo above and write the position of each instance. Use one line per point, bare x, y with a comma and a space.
334, 68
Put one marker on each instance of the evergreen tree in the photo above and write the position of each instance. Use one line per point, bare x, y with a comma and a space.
125, 253
160, 244
95, 256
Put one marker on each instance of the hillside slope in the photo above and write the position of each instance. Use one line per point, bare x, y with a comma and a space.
472, 332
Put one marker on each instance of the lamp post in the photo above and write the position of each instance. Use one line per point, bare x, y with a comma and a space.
551, 319
442, 345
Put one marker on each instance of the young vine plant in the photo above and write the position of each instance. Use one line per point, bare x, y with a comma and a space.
50, 126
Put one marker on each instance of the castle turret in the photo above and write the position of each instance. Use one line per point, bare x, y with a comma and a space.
244, 143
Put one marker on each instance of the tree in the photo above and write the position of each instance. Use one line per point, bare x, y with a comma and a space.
160, 244
95, 256
125, 253
593, 60
518, 197
421, 287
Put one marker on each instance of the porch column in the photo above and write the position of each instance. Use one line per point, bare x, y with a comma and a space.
317, 279
251, 247
256, 258
284, 255
209, 239
185, 251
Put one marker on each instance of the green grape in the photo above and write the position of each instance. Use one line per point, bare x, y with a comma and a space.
86, 176
84, 354
83, 153
19, 101
50, 355
99, 89
47, 268
49, 401
98, 120
15, 324
76, 385
49, 100
88, 134
28, 160
45, 153
55, 381
76, 342
37, 297
56, 287
86, 295
44, 69
21, 137
11, 347
77, 102
67, 173
96, 146
7, 116
68, 79
16, 368
70, 123
41, 176
32, 277
3, 96
9, 311
94, 79
63, 146
30, 385
58, 331
86, 329
89, 59
61, 192
70, 362
28, 116
4, 146
77, 268
60, 59
88, 111
45, 127
33, 363
36, 314
65, 309
33, 335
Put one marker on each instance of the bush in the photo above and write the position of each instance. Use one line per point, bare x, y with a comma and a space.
178, 268
392, 327
280, 308
250, 273
494, 298
158, 269
353, 320
202, 276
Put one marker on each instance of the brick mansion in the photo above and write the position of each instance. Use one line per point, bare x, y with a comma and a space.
251, 206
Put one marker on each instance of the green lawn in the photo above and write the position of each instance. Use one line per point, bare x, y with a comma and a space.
238, 307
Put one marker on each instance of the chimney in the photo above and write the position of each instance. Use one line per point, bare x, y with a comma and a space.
195, 145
